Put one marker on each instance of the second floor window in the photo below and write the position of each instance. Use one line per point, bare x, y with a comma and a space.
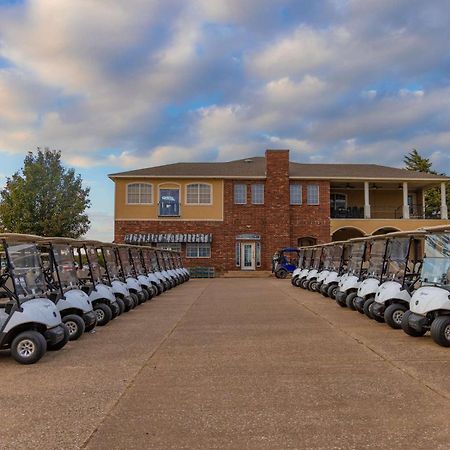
169, 202
240, 194
258, 194
295, 191
313, 194
198, 194
139, 193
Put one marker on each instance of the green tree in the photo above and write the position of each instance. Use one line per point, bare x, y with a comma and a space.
44, 198
415, 162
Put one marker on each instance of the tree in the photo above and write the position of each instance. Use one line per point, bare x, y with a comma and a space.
417, 163
44, 198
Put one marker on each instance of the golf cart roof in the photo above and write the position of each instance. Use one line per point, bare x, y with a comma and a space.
411, 233
436, 229
16, 237
58, 240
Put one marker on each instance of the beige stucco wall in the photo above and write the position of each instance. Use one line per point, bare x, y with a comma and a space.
150, 212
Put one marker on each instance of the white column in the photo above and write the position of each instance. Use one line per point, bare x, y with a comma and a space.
444, 208
367, 213
424, 206
405, 201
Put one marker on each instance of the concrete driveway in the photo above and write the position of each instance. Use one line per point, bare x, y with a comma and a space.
232, 363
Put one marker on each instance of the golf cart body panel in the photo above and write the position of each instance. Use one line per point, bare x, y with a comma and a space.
37, 310
392, 290
75, 299
121, 288
323, 276
430, 298
350, 282
133, 284
368, 287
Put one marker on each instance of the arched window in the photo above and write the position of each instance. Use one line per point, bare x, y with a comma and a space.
198, 194
306, 241
139, 194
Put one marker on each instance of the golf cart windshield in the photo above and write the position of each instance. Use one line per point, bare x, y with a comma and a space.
301, 259
111, 262
125, 260
66, 265
92, 256
317, 258
376, 262
356, 258
336, 256
155, 264
327, 257
436, 265
397, 255
26, 269
135, 254
308, 257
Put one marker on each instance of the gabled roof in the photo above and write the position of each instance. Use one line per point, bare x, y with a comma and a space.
255, 167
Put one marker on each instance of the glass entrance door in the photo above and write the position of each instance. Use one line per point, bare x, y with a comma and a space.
248, 256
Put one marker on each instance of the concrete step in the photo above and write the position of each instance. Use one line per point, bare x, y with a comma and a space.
247, 274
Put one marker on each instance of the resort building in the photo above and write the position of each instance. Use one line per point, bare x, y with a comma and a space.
234, 215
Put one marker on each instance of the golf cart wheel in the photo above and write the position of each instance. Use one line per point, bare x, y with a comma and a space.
145, 295
115, 309
332, 291
393, 315
103, 313
349, 301
366, 307
281, 273
128, 303
379, 319
297, 282
135, 299
303, 283
75, 325
408, 329
440, 331
28, 347
158, 289
311, 286
61, 343
341, 301
121, 304
90, 327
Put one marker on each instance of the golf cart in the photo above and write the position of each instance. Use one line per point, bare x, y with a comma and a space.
140, 272
89, 273
179, 266
338, 259
285, 261
30, 322
356, 271
171, 267
399, 278
430, 304
317, 263
299, 275
163, 269
151, 264
113, 276
128, 274
60, 273
368, 287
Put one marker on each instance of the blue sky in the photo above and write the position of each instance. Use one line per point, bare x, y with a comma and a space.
119, 85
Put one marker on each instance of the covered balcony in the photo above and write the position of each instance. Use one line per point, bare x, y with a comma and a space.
359, 208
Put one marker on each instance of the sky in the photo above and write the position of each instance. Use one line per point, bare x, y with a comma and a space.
124, 84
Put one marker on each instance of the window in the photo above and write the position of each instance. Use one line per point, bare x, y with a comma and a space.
169, 202
258, 194
198, 250
240, 194
295, 191
198, 194
139, 194
313, 194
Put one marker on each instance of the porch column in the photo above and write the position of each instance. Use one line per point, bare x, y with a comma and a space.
405, 201
424, 210
444, 208
367, 214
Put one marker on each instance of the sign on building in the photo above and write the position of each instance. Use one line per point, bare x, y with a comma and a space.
154, 238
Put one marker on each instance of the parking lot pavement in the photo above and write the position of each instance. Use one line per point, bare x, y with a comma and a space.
233, 363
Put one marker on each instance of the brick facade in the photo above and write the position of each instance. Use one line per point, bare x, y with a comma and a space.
277, 222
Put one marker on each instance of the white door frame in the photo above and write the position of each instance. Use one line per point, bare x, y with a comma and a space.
252, 246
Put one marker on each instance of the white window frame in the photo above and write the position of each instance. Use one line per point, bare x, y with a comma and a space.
308, 193
300, 187
253, 193
234, 193
198, 203
197, 246
139, 194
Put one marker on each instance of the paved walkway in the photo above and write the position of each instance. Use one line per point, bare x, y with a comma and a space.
232, 364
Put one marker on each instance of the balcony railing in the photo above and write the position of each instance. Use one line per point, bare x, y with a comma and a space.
381, 212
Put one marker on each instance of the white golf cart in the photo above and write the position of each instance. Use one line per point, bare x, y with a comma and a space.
140, 272
113, 274
368, 287
30, 322
430, 304
336, 267
303, 256
399, 278
72, 302
90, 274
311, 279
151, 264
356, 271
128, 274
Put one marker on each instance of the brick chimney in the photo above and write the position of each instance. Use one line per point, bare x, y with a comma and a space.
277, 199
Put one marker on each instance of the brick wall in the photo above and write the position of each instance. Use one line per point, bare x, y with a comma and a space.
278, 223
